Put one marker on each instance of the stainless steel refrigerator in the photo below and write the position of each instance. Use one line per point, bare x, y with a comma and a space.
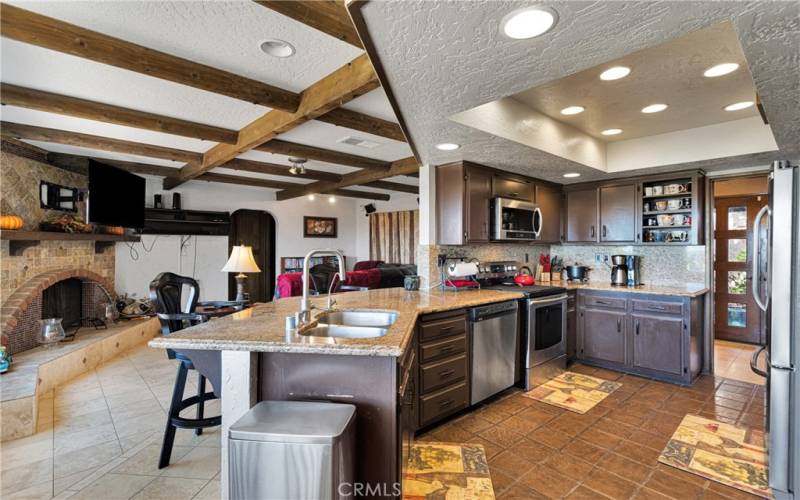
776, 289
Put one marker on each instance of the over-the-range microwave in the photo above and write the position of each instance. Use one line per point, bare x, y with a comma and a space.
515, 220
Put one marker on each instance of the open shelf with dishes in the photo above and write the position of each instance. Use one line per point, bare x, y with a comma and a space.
670, 209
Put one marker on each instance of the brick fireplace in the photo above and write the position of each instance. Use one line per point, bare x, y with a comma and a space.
76, 294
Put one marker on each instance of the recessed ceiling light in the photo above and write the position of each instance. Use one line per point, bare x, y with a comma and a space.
277, 48
654, 108
615, 73
720, 69
738, 105
447, 146
311, 197
571, 175
572, 110
612, 131
528, 22
332, 199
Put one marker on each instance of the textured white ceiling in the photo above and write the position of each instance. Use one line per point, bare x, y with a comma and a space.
442, 58
325, 135
373, 103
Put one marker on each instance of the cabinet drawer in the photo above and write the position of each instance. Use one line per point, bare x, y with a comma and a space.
607, 302
442, 373
442, 328
447, 347
658, 306
442, 403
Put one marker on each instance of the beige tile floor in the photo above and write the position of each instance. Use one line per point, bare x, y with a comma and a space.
732, 360
99, 437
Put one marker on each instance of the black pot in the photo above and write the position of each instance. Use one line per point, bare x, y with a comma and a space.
577, 273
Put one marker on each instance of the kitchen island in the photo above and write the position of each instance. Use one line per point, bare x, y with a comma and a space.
260, 361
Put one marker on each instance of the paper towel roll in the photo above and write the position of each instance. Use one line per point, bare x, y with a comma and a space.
462, 269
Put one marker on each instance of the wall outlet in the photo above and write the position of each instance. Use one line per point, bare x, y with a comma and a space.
599, 258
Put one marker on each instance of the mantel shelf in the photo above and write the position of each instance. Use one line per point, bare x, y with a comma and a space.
20, 240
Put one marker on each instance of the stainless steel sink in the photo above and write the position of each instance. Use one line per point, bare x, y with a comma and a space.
342, 331
360, 318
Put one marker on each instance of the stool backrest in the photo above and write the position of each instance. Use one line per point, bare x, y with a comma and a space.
166, 292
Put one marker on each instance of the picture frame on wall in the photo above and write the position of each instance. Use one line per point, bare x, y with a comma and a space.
320, 227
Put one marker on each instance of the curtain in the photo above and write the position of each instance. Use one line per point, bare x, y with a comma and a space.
393, 236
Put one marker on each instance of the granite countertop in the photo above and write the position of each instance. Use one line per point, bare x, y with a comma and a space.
261, 328
676, 290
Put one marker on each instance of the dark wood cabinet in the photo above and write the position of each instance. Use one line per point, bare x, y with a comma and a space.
581, 216
549, 200
572, 325
657, 343
658, 336
618, 213
509, 187
603, 335
463, 193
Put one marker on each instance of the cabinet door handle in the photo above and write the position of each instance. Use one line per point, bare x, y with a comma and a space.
637, 327
446, 403
445, 329
601, 302
592, 233
619, 325
446, 373
445, 349
604, 231
658, 308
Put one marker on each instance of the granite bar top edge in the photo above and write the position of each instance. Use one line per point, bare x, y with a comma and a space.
690, 291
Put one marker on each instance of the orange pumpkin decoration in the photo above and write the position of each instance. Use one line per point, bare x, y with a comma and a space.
10, 222
118, 230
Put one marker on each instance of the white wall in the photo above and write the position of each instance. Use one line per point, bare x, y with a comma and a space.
134, 276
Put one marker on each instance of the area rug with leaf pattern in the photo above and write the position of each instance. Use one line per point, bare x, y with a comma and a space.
573, 391
731, 455
447, 470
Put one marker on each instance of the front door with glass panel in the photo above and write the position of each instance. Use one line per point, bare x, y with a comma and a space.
736, 316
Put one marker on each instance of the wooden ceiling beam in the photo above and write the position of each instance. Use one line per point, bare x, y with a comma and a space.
393, 186
363, 123
72, 106
36, 29
80, 163
282, 170
281, 147
328, 16
346, 83
399, 167
33, 133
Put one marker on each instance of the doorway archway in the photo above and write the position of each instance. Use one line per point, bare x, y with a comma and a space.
257, 229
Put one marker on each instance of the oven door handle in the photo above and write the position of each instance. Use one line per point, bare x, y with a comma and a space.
547, 301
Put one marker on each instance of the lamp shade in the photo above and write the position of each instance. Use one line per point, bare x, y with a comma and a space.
241, 261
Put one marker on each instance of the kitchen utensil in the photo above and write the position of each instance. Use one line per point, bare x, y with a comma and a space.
618, 260
661, 205
50, 332
411, 282
666, 220
633, 263
674, 204
524, 277
577, 272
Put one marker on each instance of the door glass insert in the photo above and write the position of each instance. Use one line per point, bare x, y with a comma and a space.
737, 282
737, 250
737, 218
737, 315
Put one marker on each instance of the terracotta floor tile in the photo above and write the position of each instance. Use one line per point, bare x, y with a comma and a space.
638, 453
627, 417
682, 475
727, 394
600, 438
584, 493
673, 487
607, 374
548, 482
452, 433
609, 484
729, 403
649, 494
510, 462
501, 436
473, 423
614, 427
649, 439
491, 449
569, 465
519, 492
625, 467
571, 423
537, 415
584, 450
493, 415
532, 451
550, 437
500, 480
728, 492
520, 424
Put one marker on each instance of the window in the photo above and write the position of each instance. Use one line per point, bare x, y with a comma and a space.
737, 250
737, 282
737, 218
737, 315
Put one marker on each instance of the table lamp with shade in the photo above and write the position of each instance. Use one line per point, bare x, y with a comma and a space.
241, 261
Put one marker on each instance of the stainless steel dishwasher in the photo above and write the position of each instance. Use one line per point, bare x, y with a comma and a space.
494, 332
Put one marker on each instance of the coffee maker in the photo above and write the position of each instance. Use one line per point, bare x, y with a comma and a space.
619, 270
633, 263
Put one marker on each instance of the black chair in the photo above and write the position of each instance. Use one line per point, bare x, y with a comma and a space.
176, 312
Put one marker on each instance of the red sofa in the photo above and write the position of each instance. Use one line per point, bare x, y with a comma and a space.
366, 274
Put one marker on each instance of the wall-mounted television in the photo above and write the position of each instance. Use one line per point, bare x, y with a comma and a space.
116, 197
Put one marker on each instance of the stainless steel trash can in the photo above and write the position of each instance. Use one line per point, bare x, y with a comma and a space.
292, 450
